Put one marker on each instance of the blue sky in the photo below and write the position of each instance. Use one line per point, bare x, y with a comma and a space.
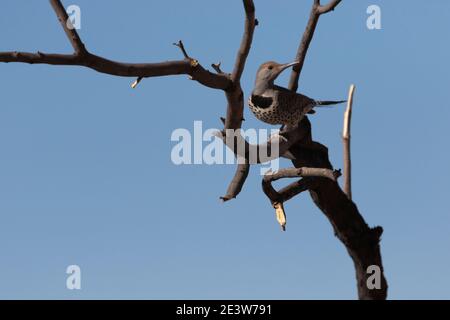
86, 176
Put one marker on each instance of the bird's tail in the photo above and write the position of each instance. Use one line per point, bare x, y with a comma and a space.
328, 103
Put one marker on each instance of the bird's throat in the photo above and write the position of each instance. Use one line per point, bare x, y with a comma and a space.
261, 88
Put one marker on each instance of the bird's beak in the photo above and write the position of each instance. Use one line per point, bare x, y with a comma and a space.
287, 65
283, 67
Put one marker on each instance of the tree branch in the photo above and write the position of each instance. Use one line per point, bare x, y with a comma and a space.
301, 172
346, 144
361, 242
102, 65
188, 66
295, 188
71, 33
235, 96
308, 34
278, 199
328, 7
216, 66
246, 42
276, 146
82, 57
237, 182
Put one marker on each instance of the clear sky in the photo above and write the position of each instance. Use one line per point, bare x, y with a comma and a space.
86, 176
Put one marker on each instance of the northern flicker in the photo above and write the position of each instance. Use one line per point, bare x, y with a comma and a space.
277, 105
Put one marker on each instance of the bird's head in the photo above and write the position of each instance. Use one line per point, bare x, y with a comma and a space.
268, 72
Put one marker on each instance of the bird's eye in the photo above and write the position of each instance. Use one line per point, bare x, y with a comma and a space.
270, 67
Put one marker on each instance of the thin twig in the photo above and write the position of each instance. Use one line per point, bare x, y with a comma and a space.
346, 144
71, 33
180, 45
216, 66
328, 7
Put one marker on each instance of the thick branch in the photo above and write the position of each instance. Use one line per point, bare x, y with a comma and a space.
249, 153
346, 144
361, 242
276, 146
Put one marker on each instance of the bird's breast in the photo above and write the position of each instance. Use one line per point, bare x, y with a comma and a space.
264, 109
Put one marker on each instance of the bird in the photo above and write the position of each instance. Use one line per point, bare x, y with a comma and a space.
276, 105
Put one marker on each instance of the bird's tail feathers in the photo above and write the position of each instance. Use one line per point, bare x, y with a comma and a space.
328, 103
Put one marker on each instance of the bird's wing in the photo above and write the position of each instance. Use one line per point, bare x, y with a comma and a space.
293, 100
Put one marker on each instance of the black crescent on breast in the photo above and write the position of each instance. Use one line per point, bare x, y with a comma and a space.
262, 102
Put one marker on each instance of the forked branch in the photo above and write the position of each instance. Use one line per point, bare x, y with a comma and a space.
293, 189
82, 57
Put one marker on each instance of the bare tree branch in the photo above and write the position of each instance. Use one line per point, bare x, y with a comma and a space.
294, 188
246, 42
82, 57
328, 7
277, 199
346, 144
188, 66
71, 32
361, 242
238, 181
308, 34
276, 146
180, 45
102, 65
235, 96
301, 172
216, 66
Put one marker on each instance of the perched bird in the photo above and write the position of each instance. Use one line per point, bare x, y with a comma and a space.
277, 105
